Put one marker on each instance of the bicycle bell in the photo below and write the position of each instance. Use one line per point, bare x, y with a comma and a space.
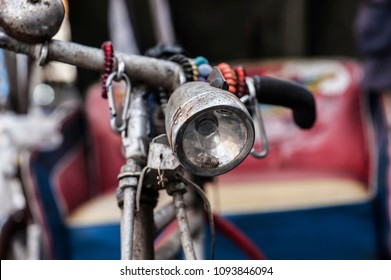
31, 21
209, 129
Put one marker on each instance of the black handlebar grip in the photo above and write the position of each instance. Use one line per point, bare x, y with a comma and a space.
284, 93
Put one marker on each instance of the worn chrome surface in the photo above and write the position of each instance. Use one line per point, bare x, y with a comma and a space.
192, 99
127, 221
32, 21
135, 137
135, 149
144, 229
160, 155
137, 225
151, 71
128, 179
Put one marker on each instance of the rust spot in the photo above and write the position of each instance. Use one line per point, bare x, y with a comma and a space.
32, 21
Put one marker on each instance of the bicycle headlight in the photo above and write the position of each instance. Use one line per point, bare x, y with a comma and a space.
209, 129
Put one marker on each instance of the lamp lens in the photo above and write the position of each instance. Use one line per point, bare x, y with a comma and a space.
214, 138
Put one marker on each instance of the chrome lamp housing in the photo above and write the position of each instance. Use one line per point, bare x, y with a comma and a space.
209, 129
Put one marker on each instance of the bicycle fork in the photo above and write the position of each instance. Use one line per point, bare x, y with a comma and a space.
139, 182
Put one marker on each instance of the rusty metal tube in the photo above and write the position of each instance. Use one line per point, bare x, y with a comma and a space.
183, 224
127, 222
151, 71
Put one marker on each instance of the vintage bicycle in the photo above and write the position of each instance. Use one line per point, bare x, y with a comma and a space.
209, 118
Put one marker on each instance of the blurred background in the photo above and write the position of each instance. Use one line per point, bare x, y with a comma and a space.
321, 193
229, 29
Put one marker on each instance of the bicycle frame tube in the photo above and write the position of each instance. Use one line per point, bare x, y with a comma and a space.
137, 227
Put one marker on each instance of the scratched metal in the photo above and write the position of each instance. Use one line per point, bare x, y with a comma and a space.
31, 21
151, 71
192, 99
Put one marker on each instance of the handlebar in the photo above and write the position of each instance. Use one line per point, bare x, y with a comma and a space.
283, 93
149, 70
156, 72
